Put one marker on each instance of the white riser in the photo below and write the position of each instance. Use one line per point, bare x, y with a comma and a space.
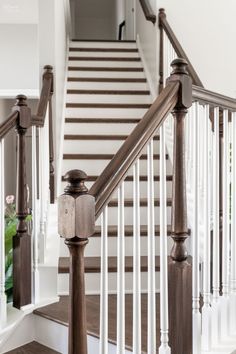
109, 74
95, 167
102, 45
106, 64
73, 85
95, 146
92, 283
93, 249
74, 98
129, 188
113, 216
101, 128
105, 113
104, 54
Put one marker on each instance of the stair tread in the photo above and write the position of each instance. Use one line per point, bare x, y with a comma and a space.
112, 230
117, 50
101, 157
107, 92
128, 178
105, 79
98, 137
143, 202
33, 348
115, 59
93, 264
102, 40
103, 120
104, 68
109, 105
58, 312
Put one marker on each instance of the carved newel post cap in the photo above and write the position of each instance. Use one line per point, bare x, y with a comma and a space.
179, 67
75, 179
162, 12
21, 100
48, 68
76, 208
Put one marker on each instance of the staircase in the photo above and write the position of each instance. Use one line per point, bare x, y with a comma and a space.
107, 95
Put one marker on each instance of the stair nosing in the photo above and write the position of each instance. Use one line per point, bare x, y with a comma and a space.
115, 50
115, 59
99, 137
142, 178
102, 156
106, 79
103, 120
100, 68
109, 105
107, 92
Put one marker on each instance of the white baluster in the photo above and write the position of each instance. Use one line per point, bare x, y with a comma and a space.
216, 230
164, 348
121, 273
41, 197
233, 229
206, 310
151, 334
195, 233
104, 284
226, 229
136, 262
3, 299
35, 230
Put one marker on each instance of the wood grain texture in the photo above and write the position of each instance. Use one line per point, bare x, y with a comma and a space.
58, 312
32, 348
93, 264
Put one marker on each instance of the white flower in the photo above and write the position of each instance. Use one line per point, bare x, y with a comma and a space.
10, 199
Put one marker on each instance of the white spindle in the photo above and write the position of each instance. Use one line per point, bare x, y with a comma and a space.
104, 284
136, 262
3, 300
226, 228
121, 273
206, 310
195, 232
233, 228
35, 229
151, 334
164, 323
41, 196
216, 230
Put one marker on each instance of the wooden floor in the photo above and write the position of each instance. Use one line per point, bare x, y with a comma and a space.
58, 312
33, 348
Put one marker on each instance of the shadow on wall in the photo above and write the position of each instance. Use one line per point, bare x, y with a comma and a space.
94, 19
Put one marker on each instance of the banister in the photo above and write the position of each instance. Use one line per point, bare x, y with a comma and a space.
163, 24
121, 26
213, 98
8, 124
148, 12
132, 148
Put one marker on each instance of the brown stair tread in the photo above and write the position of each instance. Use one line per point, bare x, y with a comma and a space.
143, 202
109, 105
108, 92
116, 50
101, 157
112, 231
93, 264
132, 59
58, 312
100, 68
98, 137
103, 120
106, 79
102, 40
128, 178
32, 348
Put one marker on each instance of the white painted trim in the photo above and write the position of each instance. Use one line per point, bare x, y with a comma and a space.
146, 70
13, 93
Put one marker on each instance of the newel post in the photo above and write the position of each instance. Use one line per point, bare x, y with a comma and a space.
22, 241
76, 213
180, 270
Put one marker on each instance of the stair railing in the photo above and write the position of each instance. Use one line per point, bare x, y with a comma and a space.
25, 247
147, 10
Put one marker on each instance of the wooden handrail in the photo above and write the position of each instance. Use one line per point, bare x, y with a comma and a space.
9, 123
148, 12
132, 148
202, 95
163, 24
121, 26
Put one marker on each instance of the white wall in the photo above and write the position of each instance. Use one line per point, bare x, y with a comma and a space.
19, 11
207, 32
95, 19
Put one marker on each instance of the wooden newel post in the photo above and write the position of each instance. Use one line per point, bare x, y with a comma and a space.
22, 241
180, 270
76, 223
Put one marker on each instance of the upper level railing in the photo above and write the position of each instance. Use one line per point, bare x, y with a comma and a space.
148, 12
19, 247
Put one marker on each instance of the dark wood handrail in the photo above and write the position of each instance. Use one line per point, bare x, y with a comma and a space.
163, 24
9, 123
148, 12
213, 98
121, 26
132, 148
45, 96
